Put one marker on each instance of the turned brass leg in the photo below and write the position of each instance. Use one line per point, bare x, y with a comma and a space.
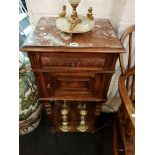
82, 126
64, 111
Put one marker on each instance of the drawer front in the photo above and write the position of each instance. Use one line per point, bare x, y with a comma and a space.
50, 61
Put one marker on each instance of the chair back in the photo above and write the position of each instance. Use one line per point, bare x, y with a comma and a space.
128, 36
130, 78
126, 86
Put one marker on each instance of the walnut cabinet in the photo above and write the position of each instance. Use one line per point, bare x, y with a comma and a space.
73, 67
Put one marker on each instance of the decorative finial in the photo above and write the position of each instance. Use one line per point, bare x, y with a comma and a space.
90, 14
63, 12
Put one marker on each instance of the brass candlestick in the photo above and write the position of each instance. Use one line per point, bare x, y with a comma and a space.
83, 127
64, 127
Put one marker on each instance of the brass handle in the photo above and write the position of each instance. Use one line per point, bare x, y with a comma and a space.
48, 86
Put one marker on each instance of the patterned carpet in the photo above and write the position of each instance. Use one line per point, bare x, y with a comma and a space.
41, 142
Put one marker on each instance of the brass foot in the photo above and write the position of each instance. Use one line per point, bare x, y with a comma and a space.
64, 128
82, 128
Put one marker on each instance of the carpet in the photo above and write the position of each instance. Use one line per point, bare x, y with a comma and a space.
42, 142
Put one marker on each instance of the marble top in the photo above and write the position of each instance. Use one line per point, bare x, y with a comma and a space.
47, 35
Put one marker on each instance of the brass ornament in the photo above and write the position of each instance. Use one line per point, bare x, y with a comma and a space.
63, 12
90, 14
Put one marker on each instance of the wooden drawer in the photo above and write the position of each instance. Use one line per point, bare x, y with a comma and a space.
51, 61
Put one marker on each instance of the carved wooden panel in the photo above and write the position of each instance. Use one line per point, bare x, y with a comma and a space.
72, 62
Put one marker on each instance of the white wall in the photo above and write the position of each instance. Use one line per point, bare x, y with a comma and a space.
120, 12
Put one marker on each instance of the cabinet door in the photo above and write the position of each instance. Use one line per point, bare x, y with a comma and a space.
88, 86
70, 84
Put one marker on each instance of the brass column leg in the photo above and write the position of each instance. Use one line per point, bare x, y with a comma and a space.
83, 112
48, 109
64, 112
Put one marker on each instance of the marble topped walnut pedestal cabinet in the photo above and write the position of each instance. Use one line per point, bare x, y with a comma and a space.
75, 69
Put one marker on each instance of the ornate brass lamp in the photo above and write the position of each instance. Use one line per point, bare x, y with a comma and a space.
75, 23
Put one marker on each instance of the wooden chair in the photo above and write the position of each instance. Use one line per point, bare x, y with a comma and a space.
126, 86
